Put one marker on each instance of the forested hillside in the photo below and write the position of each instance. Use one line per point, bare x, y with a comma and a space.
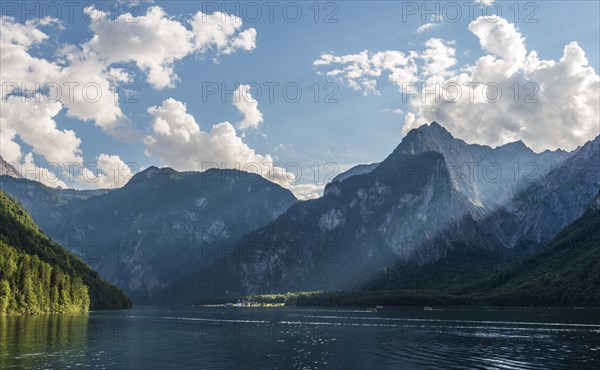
566, 272
30, 286
39, 276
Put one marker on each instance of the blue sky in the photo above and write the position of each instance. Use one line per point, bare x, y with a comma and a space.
352, 129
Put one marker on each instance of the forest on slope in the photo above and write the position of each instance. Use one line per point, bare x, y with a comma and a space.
39, 276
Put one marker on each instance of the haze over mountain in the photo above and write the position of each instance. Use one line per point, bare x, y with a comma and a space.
417, 206
174, 237
489, 177
356, 170
160, 225
564, 272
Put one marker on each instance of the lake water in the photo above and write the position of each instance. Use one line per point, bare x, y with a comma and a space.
304, 338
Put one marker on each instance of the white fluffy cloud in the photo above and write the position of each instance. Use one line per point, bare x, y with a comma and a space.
360, 71
222, 32
51, 176
502, 40
438, 57
180, 143
82, 87
152, 41
34, 123
557, 105
109, 172
425, 27
83, 79
89, 89
155, 41
547, 104
248, 107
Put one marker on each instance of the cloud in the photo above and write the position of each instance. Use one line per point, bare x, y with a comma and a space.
180, 143
394, 110
361, 70
438, 57
222, 32
306, 191
90, 88
79, 81
154, 41
548, 104
84, 79
502, 40
484, 2
34, 123
51, 176
109, 172
248, 107
557, 105
425, 27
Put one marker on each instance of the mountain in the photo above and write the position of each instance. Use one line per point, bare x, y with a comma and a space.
418, 210
527, 222
405, 209
356, 170
565, 272
40, 276
41, 201
6, 169
162, 224
539, 212
489, 177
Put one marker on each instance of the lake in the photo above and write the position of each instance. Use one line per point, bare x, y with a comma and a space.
304, 338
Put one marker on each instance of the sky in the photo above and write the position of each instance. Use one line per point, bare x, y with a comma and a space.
93, 92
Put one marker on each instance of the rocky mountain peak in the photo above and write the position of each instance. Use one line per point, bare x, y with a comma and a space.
152, 173
518, 145
6, 169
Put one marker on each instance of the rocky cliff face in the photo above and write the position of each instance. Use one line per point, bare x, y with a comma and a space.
405, 209
540, 211
8, 170
159, 226
489, 177
183, 236
419, 206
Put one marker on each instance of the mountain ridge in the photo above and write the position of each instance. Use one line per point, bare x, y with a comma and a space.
186, 218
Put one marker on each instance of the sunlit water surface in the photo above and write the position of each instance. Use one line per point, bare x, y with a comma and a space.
304, 338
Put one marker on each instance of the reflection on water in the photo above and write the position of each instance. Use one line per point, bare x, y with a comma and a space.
304, 338
32, 341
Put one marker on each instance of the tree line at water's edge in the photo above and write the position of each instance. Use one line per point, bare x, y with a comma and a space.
39, 276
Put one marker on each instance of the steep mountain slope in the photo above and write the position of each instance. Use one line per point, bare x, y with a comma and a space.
417, 210
405, 209
6, 169
160, 225
40, 276
489, 177
565, 272
544, 208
